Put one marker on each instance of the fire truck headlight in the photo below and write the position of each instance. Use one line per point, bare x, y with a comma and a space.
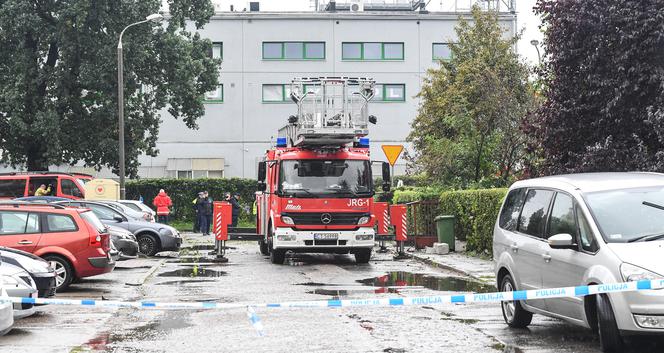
286, 237
360, 237
364, 220
287, 220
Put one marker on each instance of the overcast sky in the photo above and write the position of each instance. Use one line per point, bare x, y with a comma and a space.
525, 17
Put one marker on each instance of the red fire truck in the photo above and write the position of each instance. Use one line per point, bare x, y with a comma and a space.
316, 186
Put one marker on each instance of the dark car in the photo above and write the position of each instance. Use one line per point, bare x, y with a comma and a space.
152, 237
124, 241
39, 269
41, 199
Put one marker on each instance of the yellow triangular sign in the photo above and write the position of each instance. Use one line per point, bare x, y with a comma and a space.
392, 152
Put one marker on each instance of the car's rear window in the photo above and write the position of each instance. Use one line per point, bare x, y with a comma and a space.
12, 188
94, 221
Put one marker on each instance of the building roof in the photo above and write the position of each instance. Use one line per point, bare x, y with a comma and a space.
367, 15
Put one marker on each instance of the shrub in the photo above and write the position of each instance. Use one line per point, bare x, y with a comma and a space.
475, 212
184, 191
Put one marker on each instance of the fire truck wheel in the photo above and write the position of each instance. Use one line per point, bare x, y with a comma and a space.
363, 256
277, 256
263, 246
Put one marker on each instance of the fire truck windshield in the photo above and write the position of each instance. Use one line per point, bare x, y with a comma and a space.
326, 178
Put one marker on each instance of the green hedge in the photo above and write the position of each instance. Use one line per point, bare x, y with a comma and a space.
184, 191
476, 212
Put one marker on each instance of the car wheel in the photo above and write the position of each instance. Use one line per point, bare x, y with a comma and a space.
148, 245
263, 246
64, 274
363, 256
513, 313
609, 335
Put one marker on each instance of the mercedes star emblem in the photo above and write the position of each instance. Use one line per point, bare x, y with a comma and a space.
326, 218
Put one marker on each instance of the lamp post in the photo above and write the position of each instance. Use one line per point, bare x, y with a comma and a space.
152, 18
535, 43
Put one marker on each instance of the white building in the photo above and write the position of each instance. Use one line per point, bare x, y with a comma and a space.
394, 43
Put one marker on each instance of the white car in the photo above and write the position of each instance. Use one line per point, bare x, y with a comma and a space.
584, 229
18, 283
6, 311
139, 206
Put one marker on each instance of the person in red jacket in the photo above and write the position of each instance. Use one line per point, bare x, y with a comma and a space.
163, 203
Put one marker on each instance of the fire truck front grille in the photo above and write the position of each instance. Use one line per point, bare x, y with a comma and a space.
322, 218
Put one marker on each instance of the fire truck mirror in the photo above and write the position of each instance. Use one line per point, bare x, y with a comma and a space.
262, 172
261, 186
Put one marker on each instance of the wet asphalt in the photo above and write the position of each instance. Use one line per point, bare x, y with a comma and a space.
249, 277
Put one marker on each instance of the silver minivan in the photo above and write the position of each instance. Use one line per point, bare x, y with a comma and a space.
584, 229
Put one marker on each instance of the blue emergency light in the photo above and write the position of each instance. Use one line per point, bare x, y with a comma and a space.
282, 142
363, 143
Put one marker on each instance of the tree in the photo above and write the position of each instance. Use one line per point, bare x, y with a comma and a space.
472, 106
58, 78
603, 104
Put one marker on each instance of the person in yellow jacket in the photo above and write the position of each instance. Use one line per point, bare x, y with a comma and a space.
43, 191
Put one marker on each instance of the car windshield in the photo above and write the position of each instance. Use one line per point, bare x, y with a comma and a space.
623, 215
340, 178
92, 220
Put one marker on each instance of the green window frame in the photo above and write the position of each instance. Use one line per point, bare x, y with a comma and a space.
362, 57
285, 94
282, 54
384, 87
216, 96
433, 51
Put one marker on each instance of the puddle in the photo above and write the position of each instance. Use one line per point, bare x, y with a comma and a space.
198, 247
180, 283
445, 284
193, 272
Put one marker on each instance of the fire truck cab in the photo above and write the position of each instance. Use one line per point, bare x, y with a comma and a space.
316, 186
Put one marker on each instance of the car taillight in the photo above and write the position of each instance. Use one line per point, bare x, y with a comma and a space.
106, 242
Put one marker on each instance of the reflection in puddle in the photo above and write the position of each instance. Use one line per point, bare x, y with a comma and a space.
180, 283
445, 284
193, 272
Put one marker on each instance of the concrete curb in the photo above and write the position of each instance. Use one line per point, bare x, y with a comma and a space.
141, 280
460, 271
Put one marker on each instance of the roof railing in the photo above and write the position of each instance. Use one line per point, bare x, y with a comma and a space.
16, 204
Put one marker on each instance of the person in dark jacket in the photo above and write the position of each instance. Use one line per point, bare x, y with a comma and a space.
203, 209
235, 202
209, 217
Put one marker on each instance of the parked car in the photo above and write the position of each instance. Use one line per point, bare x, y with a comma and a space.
6, 311
130, 212
139, 206
152, 237
124, 241
72, 240
41, 199
39, 269
66, 185
17, 282
584, 229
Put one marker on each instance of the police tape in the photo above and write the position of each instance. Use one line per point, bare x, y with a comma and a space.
562, 292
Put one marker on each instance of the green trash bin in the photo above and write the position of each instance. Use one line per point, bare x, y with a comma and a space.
445, 230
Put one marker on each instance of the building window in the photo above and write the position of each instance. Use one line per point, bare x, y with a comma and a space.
217, 50
276, 93
441, 51
294, 50
390, 92
372, 51
216, 96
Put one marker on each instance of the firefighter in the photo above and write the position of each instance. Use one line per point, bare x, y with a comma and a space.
43, 191
204, 211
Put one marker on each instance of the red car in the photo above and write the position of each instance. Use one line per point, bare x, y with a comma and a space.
73, 240
22, 184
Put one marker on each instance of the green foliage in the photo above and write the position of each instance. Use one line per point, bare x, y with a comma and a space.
603, 86
58, 78
476, 212
467, 128
184, 191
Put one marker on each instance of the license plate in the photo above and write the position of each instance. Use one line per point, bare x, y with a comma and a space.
326, 236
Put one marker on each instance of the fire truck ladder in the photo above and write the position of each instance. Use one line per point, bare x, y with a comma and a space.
331, 111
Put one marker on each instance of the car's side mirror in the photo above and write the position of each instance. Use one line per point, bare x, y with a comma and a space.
387, 178
118, 219
562, 241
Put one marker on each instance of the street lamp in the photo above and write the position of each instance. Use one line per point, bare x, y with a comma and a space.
535, 43
152, 18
